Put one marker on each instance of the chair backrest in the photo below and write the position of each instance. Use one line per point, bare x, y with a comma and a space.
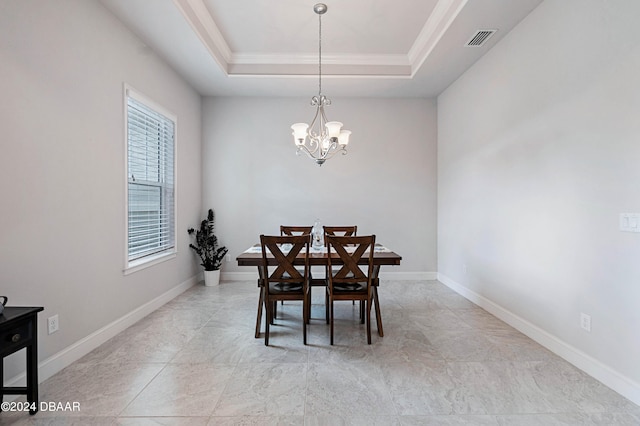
284, 250
295, 230
345, 231
350, 251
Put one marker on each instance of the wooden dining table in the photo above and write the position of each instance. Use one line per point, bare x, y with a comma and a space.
319, 257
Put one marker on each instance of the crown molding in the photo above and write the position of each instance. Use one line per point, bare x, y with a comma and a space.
438, 23
341, 59
202, 23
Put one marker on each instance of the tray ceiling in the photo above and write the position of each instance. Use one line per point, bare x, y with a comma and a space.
369, 47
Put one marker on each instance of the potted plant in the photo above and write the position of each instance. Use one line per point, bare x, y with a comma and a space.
206, 246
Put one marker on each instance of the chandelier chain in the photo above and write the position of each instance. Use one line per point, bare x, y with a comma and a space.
319, 54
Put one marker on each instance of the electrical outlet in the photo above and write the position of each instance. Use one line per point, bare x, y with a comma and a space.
585, 322
53, 324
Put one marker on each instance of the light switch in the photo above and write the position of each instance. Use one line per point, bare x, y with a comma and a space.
630, 222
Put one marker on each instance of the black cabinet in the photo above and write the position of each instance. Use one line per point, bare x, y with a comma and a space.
19, 330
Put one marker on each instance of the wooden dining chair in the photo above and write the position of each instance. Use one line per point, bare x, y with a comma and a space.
346, 280
345, 231
295, 230
292, 230
285, 281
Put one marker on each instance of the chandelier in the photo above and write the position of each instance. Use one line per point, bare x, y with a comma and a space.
322, 139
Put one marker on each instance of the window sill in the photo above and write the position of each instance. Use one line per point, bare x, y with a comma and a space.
140, 264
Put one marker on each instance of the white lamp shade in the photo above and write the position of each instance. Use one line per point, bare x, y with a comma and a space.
299, 132
333, 128
343, 139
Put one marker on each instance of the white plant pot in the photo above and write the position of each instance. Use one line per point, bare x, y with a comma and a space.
212, 278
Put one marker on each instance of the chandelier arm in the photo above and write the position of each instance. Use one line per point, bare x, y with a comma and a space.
323, 121
305, 149
323, 132
312, 146
331, 153
319, 113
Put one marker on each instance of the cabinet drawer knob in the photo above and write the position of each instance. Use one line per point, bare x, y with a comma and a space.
15, 338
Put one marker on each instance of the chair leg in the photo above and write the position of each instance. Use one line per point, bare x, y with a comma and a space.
269, 308
305, 309
259, 318
361, 312
309, 307
331, 320
376, 302
368, 303
326, 305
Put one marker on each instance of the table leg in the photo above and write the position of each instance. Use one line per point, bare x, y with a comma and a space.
1, 381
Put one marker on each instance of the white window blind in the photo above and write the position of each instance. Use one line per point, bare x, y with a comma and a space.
150, 164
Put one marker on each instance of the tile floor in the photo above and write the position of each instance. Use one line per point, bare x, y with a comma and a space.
443, 361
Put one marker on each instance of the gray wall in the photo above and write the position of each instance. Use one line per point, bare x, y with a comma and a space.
63, 64
530, 188
386, 184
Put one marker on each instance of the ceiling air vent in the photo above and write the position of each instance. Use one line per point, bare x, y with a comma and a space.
480, 38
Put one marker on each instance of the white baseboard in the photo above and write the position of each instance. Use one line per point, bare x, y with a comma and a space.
398, 276
74, 352
601, 372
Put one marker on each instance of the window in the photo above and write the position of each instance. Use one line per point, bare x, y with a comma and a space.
150, 181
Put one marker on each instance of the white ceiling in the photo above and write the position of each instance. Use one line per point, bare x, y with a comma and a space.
382, 48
